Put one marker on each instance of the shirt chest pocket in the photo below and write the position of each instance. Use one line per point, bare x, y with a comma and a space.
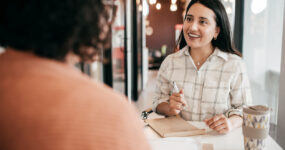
216, 92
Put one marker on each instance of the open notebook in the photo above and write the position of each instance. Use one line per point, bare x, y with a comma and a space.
174, 127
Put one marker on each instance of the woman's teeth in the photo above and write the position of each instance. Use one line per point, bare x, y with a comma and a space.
193, 35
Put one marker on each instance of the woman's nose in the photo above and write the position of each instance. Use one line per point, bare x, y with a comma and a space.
193, 26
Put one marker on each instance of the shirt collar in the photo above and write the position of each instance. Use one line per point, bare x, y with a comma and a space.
221, 54
217, 52
186, 50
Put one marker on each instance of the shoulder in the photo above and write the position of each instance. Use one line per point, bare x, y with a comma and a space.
98, 94
181, 53
175, 57
236, 62
232, 62
234, 57
99, 107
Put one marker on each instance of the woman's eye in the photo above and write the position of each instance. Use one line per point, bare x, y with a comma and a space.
188, 19
203, 22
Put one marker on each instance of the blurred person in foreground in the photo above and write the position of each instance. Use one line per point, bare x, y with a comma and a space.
45, 102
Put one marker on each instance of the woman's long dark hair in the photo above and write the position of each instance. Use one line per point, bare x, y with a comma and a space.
223, 41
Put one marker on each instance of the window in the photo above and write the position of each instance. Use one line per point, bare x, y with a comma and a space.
262, 47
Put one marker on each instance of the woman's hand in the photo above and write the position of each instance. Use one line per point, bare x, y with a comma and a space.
219, 123
176, 103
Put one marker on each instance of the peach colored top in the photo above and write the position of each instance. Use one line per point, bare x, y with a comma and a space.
49, 105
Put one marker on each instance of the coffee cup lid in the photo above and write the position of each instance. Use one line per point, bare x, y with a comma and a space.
256, 110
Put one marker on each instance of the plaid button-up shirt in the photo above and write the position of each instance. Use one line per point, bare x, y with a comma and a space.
220, 86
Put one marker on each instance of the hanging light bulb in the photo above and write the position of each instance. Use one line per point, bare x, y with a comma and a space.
173, 7
158, 6
173, 1
151, 2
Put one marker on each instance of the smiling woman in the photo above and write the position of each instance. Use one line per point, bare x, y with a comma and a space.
200, 27
210, 73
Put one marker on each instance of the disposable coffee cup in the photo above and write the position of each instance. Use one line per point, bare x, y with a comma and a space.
255, 126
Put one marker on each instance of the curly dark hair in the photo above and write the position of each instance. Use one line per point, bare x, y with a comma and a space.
53, 28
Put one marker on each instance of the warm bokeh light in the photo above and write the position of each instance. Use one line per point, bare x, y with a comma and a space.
158, 6
173, 7
173, 1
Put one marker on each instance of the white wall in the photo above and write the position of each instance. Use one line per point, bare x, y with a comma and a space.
281, 112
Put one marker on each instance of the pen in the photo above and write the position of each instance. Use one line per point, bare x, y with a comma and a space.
175, 88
